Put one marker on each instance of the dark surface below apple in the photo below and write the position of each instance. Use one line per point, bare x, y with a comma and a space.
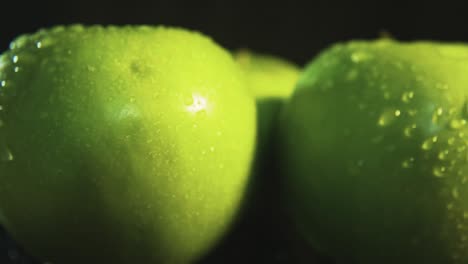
10, 253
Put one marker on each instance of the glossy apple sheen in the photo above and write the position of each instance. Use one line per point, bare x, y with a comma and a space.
374, 152
121, 144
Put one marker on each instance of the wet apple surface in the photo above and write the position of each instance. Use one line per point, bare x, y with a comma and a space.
122, 144
376, 142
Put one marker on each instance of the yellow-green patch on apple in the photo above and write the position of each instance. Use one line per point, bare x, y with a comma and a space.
126, 144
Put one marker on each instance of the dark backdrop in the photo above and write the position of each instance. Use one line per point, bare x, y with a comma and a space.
288, 28
296, 31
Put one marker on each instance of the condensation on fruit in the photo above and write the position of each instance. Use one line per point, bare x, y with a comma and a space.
388, 117
408, 163
429, 143
6, 155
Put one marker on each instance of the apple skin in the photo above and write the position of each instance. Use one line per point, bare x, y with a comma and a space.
373, 151
122, 144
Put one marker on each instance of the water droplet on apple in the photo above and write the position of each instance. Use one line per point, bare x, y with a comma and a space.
451, 140
359, 56
428, 143
408, 131
437, 114
44, 42
442, 86
352, 75
452, 163
407, 96
443, 154
20, 42
439, 171
408, 163
355, 167
6, 155
76, 28
457, 123
386, 95
16, 69
388, 116
57, 29
3, 83
15, 58
412, 112
455, 193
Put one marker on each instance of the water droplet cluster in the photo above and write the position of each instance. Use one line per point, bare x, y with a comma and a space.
396, 120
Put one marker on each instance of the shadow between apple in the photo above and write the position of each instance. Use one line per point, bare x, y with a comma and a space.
262, 232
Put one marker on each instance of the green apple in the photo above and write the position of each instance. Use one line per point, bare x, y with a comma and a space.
122, 144
374, 152
271, 80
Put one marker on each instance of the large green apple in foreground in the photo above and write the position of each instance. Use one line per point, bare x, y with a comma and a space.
121, 145
374, 152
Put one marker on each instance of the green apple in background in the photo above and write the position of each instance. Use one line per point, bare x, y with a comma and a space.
374, 152
271, 80
121, 144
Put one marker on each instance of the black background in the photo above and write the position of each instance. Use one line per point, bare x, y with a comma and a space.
293, 30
